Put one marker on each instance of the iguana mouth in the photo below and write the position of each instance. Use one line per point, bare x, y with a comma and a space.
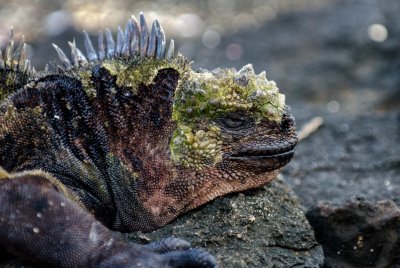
266, 157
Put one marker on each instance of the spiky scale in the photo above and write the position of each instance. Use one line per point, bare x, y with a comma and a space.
27, 66
90, 51
22, 56
135, 44
110, 44
61, 55
77, 56
160, 53
51, 67
144, 35
81, 58
120, 42
127, 39
8, 57
19, 53
102, 49
170, 52
151, 49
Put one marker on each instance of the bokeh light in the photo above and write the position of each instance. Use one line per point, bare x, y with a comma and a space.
333, 106
377, 32
211, 39
234, 51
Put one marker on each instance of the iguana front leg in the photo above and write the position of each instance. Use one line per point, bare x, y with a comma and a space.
39, 223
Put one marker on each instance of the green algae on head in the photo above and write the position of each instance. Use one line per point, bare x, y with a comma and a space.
196, 146
143, 70
209, 94
130, 73
204, 96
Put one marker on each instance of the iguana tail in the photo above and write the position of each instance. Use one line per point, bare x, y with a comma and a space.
15, 69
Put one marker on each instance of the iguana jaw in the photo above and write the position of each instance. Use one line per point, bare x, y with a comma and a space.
219, 186
266, 158
161, 208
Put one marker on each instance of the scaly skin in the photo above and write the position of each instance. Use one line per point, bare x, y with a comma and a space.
129, 143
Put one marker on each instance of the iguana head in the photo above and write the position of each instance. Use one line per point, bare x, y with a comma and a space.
226, 131
215, 111
188, 136
233, 132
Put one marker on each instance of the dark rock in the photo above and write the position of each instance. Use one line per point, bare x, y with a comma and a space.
260, 228
349, 155
358, 233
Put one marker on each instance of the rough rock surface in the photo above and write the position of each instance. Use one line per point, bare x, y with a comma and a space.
348, 155
358, 233
260, 228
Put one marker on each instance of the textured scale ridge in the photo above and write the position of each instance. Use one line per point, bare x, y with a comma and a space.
134, 42
124, 135
15, 69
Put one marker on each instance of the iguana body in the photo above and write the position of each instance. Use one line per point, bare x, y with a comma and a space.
128, 140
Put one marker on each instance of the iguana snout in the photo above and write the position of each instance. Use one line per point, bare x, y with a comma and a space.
270, 146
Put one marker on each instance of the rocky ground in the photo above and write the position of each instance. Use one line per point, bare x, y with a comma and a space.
327, 63
260, 228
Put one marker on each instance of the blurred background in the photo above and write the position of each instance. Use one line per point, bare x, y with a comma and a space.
336, 59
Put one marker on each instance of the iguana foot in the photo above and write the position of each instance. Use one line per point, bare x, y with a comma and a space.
39, 223
179, 258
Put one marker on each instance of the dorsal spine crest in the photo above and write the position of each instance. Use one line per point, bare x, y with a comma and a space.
133, 43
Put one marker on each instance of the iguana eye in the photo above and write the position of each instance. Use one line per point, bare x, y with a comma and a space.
235, 121
230, 122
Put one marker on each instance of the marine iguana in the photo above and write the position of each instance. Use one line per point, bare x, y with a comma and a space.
126, 138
